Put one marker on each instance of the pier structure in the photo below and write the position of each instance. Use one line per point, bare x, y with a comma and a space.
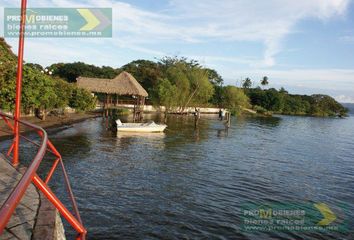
112, 92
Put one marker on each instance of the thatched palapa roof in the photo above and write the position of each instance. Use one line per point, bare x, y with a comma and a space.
123, 84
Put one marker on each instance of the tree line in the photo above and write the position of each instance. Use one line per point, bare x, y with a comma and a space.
178, 83
173, 82
41, 92
281, 102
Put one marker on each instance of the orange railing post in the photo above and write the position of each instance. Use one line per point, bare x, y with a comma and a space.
21, 43
8, 208
76, 224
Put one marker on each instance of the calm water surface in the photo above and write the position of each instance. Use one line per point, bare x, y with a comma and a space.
191, 184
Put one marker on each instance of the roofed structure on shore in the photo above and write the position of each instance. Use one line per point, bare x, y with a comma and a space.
123, 84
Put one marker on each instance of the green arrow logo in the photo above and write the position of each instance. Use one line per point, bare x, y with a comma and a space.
90, 18
95, 20
328, 215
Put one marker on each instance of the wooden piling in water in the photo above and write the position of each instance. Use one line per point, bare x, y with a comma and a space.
196, 118
228, 119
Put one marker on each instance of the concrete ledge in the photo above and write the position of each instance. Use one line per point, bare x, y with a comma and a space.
48, 223
22, 221
35, 217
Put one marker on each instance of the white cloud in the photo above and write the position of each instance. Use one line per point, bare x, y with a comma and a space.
217, 59
228, 20
195, 21
243, 20
267, 22
344, 99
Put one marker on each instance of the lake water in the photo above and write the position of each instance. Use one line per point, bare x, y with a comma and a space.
192, 183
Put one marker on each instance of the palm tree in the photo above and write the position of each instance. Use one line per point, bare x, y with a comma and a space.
247, 83
264, 81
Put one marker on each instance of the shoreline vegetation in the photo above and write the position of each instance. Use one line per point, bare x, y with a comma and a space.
176, 83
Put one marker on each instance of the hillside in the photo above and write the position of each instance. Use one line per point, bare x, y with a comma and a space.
6, 54
350, 107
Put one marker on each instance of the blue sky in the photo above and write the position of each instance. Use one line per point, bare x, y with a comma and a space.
306, 46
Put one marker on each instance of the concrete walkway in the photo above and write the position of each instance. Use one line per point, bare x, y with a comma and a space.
22, 222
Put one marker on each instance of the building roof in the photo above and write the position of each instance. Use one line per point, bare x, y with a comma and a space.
123, 84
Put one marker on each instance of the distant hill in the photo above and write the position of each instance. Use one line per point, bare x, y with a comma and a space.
350, 106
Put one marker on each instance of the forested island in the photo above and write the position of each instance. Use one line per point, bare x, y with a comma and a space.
176, 83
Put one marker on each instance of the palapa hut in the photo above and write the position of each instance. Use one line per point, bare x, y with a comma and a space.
122, 85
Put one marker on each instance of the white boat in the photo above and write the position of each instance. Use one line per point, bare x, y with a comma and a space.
140, 127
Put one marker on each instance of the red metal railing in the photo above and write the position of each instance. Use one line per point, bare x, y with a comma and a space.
8, 208
19, 75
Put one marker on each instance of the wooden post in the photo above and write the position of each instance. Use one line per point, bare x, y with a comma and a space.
196, 118
142, 108
134, 112
106, 110
104, 105
228, 119
165, 117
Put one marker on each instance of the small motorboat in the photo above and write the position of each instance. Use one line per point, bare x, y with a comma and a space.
140, 127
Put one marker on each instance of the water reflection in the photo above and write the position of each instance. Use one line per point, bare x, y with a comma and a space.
264, 121
73, 142
222, 133
191, 183
150, 139
181, 130
153, 136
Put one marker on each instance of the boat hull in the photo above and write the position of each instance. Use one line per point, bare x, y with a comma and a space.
141, 129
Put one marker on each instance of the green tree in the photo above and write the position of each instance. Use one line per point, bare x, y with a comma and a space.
64, 92
214, 77
324, 105
38, 91
167, 93
35, 66
264, 81
247, 83
167, 62
191, 81
201, 90
82, 100
235, 99
218, 96
273, 101
282, 90
146, 72
7, 86
8, 63
71, 71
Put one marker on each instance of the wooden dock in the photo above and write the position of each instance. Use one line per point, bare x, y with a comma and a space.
22, 223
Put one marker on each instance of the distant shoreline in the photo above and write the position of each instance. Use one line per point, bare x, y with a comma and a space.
52, 121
